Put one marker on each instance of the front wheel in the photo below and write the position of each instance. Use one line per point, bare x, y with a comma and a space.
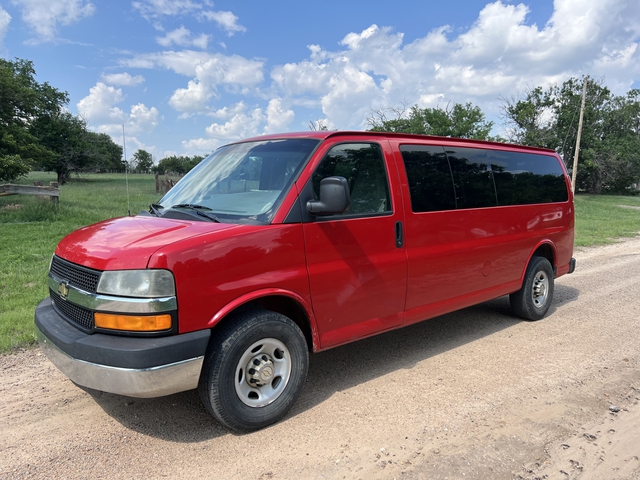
533, 300
254, 370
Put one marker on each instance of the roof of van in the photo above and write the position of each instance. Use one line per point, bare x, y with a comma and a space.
324, 134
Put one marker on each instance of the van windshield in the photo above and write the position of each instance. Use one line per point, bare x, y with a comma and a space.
243, 181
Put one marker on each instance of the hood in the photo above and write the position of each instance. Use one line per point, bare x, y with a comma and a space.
128, 242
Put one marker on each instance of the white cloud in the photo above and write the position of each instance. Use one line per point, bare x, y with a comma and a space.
5, 19
183, 38
192, 99
154, 9
100, 111
143, 119
44, 16
243, 124
501, 54
209, 72
124, 79
229, 69
225, 20
99, 105
278, 118
240, 122
158, 8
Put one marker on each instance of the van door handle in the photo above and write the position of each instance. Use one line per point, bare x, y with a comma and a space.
399, 235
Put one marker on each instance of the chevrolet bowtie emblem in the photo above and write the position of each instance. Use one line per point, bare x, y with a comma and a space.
63, 289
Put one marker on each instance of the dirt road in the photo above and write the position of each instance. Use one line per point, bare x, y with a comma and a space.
475, 394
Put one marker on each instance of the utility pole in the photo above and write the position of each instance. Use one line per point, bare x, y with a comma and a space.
575, 155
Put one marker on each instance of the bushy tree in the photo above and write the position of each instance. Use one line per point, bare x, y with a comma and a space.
106, 154
66, 137
461, 121
23, 101
12, 167
609, 157
142, 161
177, 164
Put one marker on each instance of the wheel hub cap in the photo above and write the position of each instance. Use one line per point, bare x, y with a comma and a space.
260, 370
540, 289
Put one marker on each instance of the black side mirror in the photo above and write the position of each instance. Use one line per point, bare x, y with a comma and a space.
334, 197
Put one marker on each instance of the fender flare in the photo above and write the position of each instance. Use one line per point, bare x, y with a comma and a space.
270, 292
541, 243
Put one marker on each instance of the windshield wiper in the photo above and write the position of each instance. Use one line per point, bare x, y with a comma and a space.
154, 207
198, 210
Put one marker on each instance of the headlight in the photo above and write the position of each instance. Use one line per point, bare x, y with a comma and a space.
137, 283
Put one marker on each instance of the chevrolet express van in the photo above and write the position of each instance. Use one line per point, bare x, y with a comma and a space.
281, 245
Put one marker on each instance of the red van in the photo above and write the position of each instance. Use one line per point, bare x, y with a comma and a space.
280, 245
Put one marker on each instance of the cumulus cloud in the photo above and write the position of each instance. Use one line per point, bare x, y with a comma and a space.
100, 111
99, 105
44, 16
124, 79
209, 72
502, 53
229, 69
239, 121
183, 38
278, 117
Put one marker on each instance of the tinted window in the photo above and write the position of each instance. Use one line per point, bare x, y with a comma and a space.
362, 164
429, 175
524, 178
472, 177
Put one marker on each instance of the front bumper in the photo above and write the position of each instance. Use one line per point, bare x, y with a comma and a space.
131, 366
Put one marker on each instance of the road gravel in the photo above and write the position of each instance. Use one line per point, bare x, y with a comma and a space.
476, 394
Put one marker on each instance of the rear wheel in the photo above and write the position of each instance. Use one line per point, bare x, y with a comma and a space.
533, 300
254, 370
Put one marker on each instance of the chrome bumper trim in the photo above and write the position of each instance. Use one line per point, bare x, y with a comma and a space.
108, 303
142, 383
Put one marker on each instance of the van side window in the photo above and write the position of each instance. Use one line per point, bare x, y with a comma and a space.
362, 164
472, 177
525, 178
429, 175
477, 178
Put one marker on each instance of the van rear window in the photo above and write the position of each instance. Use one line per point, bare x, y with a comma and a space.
479, 178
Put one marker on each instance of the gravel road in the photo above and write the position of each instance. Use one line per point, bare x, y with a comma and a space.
475, 394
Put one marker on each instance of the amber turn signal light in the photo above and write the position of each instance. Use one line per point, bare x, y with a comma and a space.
133, 323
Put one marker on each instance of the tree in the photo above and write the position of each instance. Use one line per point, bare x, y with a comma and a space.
178, 165
609, 157
66, 137
142, 161
106, 154
528, 119
462, 121
12, 167
22, 102
318, 125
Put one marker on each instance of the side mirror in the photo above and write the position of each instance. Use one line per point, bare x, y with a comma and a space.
334, 197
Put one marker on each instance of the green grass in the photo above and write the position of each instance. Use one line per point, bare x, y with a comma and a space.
601, 219
31, 228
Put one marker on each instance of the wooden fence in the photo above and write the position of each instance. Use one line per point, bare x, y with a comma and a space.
52, 191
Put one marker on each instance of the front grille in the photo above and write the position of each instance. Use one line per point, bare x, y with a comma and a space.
77, 276
80, 316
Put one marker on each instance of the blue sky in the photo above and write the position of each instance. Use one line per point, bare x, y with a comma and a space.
185, 76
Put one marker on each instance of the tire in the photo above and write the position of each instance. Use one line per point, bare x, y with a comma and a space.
533, 300
264, 348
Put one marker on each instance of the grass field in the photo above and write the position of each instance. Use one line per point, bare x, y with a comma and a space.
30, 229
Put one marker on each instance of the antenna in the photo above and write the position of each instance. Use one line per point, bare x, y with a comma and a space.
126, 169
